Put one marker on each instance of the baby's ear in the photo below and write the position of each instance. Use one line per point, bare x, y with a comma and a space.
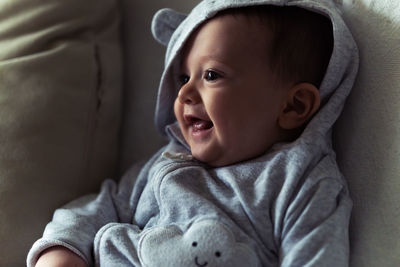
164, 23
302, 102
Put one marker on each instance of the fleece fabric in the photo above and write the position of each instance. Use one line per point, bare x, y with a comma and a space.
288, 207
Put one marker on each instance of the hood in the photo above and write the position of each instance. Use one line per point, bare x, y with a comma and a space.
172, 29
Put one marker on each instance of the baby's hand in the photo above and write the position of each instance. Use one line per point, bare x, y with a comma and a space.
59, 256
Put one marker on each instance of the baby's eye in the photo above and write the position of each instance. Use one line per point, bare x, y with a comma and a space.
184, 79
211, 75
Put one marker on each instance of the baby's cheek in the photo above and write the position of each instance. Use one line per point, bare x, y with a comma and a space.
177, 109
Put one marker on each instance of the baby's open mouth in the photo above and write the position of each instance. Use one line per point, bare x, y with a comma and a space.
198, 124
201, 125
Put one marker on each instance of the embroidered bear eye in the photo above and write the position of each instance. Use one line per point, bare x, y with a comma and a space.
194, 244
218, 254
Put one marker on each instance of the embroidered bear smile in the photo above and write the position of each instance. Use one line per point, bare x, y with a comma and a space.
196, 260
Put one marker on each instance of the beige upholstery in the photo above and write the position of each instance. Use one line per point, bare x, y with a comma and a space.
367, 136
60, 94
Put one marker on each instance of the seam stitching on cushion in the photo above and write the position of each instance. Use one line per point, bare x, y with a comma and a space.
99, 77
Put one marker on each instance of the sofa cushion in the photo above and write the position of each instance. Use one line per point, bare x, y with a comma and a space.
367, 135
60, 102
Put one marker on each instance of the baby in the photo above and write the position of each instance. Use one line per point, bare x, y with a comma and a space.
248, 98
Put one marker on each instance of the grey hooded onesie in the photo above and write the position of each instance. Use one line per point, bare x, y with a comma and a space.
288, 207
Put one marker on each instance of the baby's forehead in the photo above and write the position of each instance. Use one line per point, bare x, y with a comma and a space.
243, 26
231, 40
250, 17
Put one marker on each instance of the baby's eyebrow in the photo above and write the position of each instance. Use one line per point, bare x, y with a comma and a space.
212, 57
219, 61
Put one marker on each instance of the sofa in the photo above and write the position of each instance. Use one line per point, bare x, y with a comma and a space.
78, 84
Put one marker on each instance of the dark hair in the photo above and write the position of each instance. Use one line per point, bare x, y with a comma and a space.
302, 41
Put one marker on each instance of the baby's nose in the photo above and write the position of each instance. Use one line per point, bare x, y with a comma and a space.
189, 95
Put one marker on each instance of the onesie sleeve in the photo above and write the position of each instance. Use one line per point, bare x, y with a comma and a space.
315, 228
75, 225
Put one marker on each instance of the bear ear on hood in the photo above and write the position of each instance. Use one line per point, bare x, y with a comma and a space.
164, 23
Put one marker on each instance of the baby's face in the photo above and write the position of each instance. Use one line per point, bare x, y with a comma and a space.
229, 102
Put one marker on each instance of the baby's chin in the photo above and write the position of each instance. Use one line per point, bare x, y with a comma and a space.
211, 160
222, 160
229, 157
